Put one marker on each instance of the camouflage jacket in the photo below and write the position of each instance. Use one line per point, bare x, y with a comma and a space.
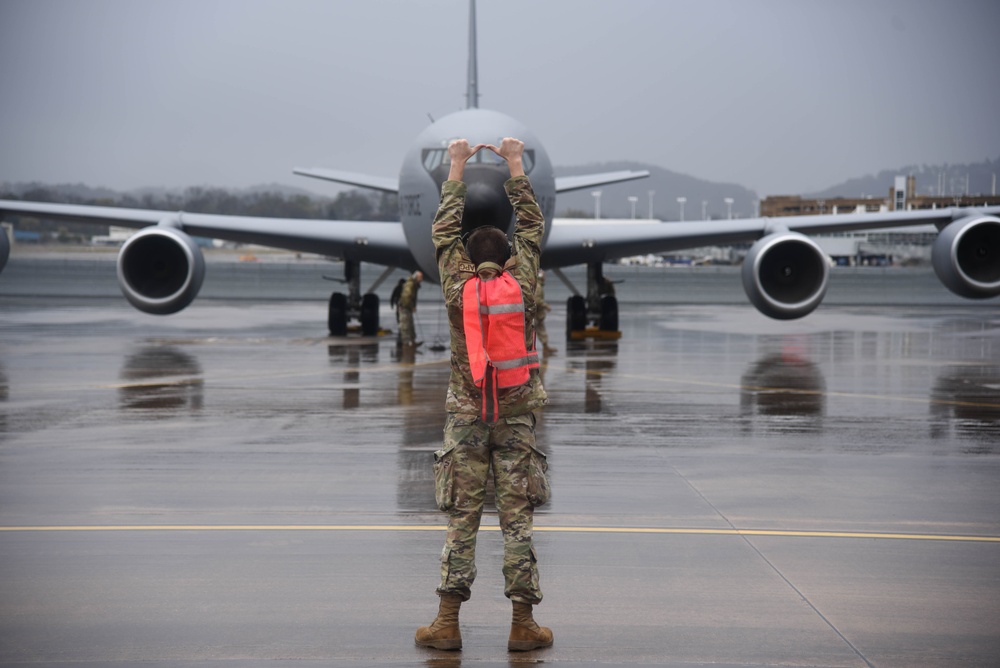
408, 296
456, 268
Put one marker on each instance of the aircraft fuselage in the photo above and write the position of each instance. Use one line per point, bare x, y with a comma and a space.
425, 168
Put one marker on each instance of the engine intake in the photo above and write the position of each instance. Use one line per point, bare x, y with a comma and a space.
785, 275
160, 270
966, 257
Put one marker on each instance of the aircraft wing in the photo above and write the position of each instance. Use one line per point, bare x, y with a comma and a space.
578, 241
350, 178
377, 242
568, 183
563, 183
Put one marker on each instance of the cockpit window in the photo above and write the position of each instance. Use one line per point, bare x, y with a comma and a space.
435, 158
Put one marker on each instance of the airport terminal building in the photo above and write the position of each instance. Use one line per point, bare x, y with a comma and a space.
909, 245
901, 197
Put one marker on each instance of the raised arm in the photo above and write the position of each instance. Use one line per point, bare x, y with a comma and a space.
512, 151
459, 151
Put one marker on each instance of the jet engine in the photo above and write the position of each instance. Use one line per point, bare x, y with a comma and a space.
785, 275
966, 257
160, 270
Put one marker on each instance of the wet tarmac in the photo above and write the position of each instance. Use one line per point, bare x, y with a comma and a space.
230, 484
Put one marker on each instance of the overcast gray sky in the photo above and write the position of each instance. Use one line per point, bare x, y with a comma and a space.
781, 96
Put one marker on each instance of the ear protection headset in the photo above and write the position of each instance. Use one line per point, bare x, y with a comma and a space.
465, 237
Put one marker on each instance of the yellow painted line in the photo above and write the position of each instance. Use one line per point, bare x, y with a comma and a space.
549, 529
766, 532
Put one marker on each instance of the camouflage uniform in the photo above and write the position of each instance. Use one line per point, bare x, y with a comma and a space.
406, 305
472, 446
541, 309
394, 297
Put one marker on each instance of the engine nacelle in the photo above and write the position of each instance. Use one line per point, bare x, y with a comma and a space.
966, 257
160, 270
785, 275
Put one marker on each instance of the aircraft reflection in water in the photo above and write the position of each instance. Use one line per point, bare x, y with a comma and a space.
404, 388
350, 358
4, 392
162, 380
965, 397
595, 359
422, 428
783, 392
965, 401
420, 422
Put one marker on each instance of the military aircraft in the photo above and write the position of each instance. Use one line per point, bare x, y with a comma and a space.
785, 273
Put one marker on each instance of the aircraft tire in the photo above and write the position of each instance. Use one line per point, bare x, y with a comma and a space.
576, 315
337, 319
609, 313
369, 314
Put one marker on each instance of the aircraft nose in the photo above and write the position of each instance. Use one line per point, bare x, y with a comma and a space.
486, 200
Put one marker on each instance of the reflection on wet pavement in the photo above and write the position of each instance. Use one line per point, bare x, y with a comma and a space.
304, 459
4, 391
163, 380
598, 359
783, 392
349, 358
965, 402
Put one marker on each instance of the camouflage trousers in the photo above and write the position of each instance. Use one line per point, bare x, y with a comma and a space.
541, 332
471, 449
407, 332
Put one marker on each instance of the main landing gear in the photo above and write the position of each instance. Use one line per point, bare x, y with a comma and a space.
363, 308
593, 316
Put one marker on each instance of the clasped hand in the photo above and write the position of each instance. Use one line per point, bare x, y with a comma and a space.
510, 148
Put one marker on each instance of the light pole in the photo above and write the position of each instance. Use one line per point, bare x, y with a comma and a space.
681, 200
632, 199
653, 192
729, 207
597, 203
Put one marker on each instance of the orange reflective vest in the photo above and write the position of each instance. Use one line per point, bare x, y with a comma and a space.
493, 315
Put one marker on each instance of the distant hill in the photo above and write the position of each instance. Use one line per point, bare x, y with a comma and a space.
667, 187
931, 180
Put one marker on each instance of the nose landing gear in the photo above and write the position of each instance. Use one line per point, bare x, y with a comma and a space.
343, 308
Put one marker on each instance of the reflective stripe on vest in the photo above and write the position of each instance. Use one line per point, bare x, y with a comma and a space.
493, 316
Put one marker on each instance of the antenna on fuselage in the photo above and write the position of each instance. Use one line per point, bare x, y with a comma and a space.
472, 90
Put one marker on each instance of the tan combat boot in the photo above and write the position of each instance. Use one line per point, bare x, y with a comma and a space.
525, 634
443, 633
